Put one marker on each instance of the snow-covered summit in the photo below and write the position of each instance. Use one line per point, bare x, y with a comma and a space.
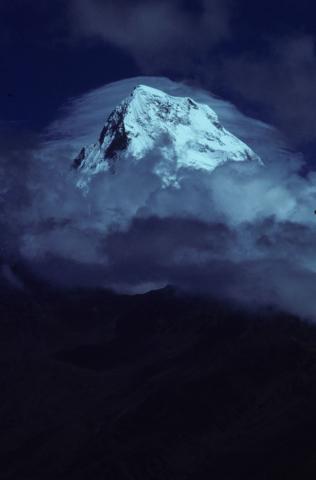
181, 133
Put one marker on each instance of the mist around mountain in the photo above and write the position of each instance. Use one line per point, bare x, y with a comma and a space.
240, 231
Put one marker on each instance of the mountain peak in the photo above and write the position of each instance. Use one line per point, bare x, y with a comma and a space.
144, 89
180, 132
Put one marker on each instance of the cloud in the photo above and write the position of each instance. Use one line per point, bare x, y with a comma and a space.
155, 32
250, 264
244, 231
15, 157
282, 83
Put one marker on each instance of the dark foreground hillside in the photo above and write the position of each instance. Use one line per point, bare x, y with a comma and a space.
158, 386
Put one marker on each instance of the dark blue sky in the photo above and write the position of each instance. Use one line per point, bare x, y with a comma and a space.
48, 54
41, 65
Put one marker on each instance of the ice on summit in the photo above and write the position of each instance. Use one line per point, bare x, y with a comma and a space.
182, 133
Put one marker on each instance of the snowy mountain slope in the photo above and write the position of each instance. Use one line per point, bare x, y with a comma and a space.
182, 133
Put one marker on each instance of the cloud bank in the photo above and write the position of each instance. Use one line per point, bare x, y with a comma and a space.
243, 232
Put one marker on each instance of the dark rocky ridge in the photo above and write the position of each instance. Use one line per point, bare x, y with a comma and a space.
115, 129
156, 386
79, 159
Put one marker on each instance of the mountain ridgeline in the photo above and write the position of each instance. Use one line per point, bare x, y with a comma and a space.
156, 386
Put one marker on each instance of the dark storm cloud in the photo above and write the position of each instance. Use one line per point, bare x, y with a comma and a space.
202, 257
217, 44
166, 241
198, 256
